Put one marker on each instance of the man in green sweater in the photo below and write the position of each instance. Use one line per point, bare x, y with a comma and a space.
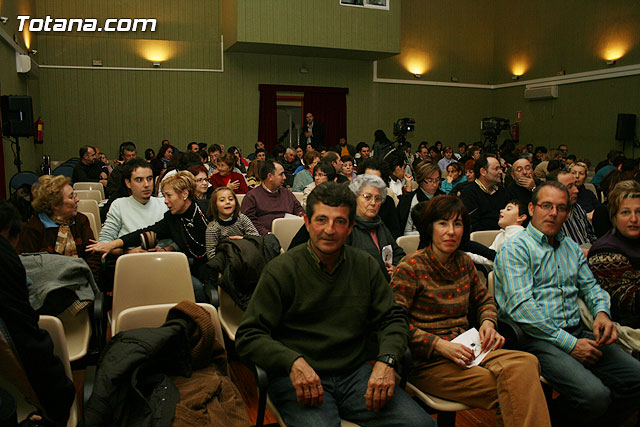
320, 312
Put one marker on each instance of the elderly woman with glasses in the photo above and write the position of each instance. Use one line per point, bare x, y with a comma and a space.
615, 257
58, 227
428, 178
369, 232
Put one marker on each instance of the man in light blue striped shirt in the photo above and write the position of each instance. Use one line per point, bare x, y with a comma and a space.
539, 276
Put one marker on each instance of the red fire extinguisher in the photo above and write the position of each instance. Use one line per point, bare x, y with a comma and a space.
515, 132
39, 127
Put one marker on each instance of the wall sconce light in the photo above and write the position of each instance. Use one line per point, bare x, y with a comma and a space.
303, 70
454, 79
96, 62
611, 62
514, 77
4, 19
155, 64
417, 76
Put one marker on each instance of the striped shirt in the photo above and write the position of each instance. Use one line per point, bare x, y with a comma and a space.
578, 227
537, 286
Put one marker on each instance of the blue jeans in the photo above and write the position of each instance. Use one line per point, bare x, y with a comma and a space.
603, 394
344, 398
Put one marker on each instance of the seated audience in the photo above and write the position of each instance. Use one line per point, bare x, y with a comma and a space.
523, 182
613, 157
444, 162
347, 167
304, 177
388, 213
88, 168
601, 219
615, 257
193, 147
344, 149
485, 196
149, 154
115, 184
399, 180
290, 163
462, 150
539, 276
269, 201
300, 155
253, 173
369, 232
625, 169
576, 226
185, 223
512, 220
363, 153
333, 158
45, 372
214, 153
225, 177
322, 172
58, 227
439, 287
257, 146
240, 162
136, 211
317, 349
455, 176
587, 200
226, 220
540, 155
469, 174
428, 178
179, 162
203, 189
161, 162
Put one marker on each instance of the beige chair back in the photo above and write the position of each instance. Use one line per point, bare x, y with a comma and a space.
91, 206
148, 279
88, 195
153, 316
485, 237
240, 198
77, 330
285, 229
299, 195
230, 314
435, 402
409, 244
92, 224
90, 186
491, 284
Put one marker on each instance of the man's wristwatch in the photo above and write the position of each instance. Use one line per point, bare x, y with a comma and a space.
389, 359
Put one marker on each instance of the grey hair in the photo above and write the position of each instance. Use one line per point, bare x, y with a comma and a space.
361, 181
290, 150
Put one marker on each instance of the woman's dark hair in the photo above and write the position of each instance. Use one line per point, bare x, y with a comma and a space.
148, 154
380, 136
457, 166
228, 158
164, 149
309, 156
375, 164
232, 150
346, 158
443, 207
203, 155
196, 169
395, 159
327, 168
254, 169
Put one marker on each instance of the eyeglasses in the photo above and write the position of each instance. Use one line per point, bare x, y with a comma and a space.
429, 181
371, 198
546, 206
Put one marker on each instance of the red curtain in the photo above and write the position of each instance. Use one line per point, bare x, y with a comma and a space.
268, 120
329, 107
327, 104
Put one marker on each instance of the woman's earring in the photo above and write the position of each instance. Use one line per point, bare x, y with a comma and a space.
184, 199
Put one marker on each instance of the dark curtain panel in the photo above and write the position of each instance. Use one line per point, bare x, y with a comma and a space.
329, 107
268, 120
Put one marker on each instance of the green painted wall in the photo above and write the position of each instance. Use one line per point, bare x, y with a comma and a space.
313, 24
11, 83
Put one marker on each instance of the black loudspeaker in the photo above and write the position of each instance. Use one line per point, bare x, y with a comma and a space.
626, 129
17, 115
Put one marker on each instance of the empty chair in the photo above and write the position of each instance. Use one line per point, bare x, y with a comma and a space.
485, 237
93, 223
150, 278
285, 229
89, 186
409, 244
91, 206
230, 314
22, 178
88, 195
299, 195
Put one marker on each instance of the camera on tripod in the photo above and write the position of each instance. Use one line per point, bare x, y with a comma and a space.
491, 127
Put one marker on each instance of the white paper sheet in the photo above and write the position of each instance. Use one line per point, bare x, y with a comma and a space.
471, 339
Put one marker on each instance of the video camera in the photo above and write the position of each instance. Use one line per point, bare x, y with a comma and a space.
402, 126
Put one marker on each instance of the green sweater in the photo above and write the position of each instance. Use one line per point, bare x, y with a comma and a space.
298, 310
